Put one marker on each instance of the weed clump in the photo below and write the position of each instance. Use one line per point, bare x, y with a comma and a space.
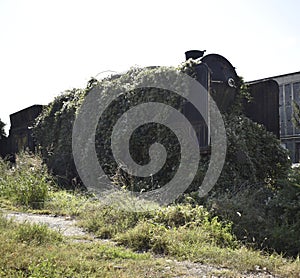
27, 183
36, 234
178, 226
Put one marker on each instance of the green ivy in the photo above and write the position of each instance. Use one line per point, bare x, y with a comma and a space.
249, 145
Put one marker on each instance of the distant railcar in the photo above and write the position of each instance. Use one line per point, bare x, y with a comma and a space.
20, 134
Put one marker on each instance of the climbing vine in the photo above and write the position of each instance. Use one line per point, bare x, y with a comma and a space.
249, 145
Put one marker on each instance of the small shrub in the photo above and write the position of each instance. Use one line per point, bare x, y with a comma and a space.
49, 268
4, 222
178, 229
27, 184
107, 221
37, 234
283, 212
179, 215
186, 216
263, 217
63, 202
145, 236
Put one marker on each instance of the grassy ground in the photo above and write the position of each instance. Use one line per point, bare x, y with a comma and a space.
142, 244
36, 251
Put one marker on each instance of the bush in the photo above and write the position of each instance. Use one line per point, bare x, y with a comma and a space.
145, 236
107, 221
63, 202
179, 215
53, 128
27, 184
165, 230
284, 210
267, 218
37, 234
179, 242
249, 144
53, 133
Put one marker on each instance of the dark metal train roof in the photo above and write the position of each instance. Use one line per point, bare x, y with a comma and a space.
273, 77
27, 108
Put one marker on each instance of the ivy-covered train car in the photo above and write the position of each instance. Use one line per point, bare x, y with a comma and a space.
214, 72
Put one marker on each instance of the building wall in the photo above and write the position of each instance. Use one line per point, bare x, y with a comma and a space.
289, 91
264, 105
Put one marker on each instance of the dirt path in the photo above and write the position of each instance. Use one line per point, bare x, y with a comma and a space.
67, 227
201, 270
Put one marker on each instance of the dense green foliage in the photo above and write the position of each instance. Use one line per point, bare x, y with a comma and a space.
54, 131
253, 155
262, 217
53, 128
255, 191
249, 144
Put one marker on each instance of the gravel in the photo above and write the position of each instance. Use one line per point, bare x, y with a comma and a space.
65, 225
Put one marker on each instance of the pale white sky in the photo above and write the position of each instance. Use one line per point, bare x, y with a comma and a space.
48, 46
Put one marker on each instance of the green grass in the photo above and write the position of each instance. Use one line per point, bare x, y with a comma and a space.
36, 234
35, 251
137, 239
63, 202
27, 184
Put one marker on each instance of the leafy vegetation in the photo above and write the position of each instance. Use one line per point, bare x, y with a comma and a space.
53, 129
36, 234
26, 184
249, 144
254, 206
54, 135
262, 218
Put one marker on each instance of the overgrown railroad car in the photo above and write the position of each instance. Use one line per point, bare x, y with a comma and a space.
214, 72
